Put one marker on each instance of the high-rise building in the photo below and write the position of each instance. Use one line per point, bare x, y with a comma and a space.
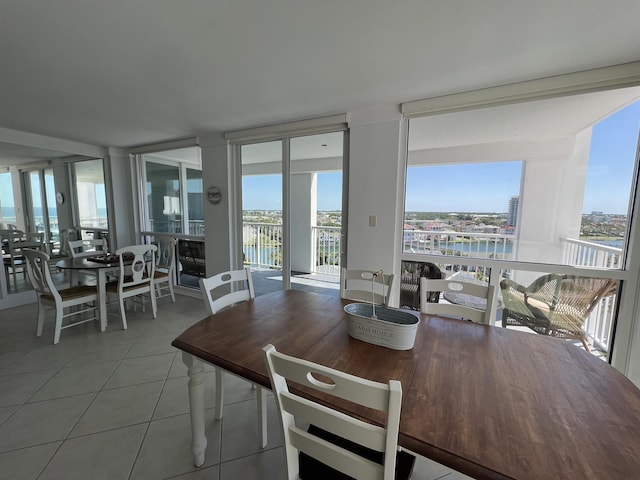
512, 216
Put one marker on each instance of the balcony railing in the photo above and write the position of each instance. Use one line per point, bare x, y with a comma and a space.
472, 244
326, 248
262, 247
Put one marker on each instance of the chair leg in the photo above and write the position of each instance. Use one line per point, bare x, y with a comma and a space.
58, 329
173, 295
40, 324
154, 304
261, 400
585, 343
123, 314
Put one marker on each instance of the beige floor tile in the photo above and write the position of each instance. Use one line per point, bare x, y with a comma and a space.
75, 381
18, 388
42, 422
26, 463
266, 464
101, 456
139, 370
119, 407
166, 450
240, 429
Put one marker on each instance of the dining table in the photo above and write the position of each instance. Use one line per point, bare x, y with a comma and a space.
101, 265
489, 402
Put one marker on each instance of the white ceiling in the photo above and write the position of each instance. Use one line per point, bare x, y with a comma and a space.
123, 73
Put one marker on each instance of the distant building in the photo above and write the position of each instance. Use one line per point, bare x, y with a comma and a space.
512, 216
598, 217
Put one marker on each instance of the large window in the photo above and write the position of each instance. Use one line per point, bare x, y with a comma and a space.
516, 192
173, 192
173, 207
163, 198
547, 181
7, 206
91, 199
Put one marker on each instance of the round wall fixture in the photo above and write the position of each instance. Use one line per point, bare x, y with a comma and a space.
59, 198
214, 195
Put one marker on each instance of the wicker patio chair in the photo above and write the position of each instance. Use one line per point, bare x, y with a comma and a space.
554, 304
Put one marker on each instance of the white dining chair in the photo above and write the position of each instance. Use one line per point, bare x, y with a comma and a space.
165, 273
336, 444
221, 291
135, 277
49, 295
86, 248
474, 299
17, 241
366, 286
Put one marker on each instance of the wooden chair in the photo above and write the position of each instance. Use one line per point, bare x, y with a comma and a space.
83, 249
475, 305
554, 304
48, 294
86, 248
165, 272
66, 235
237, 286
135, 277
366, 286
344, 445
17, 241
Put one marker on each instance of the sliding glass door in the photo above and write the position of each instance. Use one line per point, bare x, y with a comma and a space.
292, 212
42, 213
172, 199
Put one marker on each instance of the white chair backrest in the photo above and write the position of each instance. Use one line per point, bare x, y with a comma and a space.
476, 298
238, 288
11, 236
67, 235
39, 273
366, 286
86, 248
166, 258
379, 396
34, 237
137, 264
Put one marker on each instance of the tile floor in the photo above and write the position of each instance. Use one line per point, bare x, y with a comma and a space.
114, 405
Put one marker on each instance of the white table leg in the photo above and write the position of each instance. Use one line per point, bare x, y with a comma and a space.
102, 298
196, 407
219, 393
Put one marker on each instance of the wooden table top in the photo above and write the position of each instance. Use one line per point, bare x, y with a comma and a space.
486, 401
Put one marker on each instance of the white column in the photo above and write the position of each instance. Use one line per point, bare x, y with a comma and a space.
216, 171
122, 218
375, 176
304, 206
